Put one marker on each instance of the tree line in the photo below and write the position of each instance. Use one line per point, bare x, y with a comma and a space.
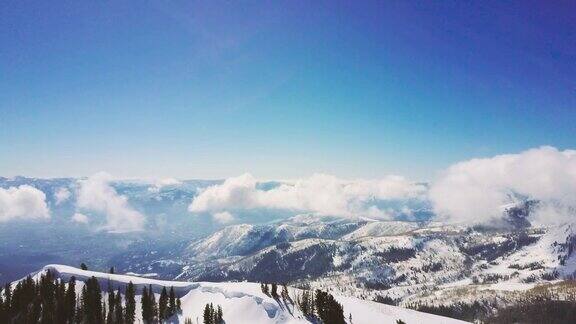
50, 300
321, 305
213, 315
314, 305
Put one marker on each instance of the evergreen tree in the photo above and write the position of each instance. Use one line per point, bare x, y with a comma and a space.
285, 295
264, 287
172, 308
130, 313
328, 309
163, 305
149, 307
178, 305
35, 311
219, 315
70, 308
274, 291
60, 313
92, 302
7, 294
306, 303
207, 315
83, 266
118, 311
111, 299
47, 290
212, 314
145, 306
153, 305
111, 270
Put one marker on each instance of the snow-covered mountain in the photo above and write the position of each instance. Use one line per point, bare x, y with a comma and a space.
404, 261
242, 302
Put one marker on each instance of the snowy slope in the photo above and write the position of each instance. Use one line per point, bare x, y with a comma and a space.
243, 302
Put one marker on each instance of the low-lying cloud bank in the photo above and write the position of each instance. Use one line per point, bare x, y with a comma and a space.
96, 194
474, 191
469, 192
23, 202
320, 193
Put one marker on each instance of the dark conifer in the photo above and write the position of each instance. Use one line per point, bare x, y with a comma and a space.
219, 315
70, 308
274, 291
153, 305
118, 311
172, 308
111, 303
163, 305
130, 313
207, 315
145, 306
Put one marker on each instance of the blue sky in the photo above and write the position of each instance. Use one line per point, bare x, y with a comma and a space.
280, 89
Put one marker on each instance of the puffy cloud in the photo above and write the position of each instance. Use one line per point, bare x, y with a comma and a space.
80, 218
223, 217
96, 194
61, 195
23, 202
320, 193
158, 184
474, 191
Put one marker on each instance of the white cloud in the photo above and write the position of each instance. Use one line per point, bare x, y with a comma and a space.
61, 195
23, 202
474, 191
320, 193
96, 194
223, 217
80, 218
158, 184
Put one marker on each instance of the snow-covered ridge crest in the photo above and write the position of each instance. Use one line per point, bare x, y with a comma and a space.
242, 302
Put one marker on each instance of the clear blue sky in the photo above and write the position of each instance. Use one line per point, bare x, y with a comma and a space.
280, 89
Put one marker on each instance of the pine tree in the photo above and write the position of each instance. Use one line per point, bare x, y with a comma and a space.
92, 302
219, 315
111, 270
8, 294
306, 303
328, 309
111, 298
178, 305
118, 311
145, 305
163, 312
70, 300
47, 296
172, 308
60, 313
285, 295
207, 315
212, 314
153, 305
274, 291
130, 313
83, 266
